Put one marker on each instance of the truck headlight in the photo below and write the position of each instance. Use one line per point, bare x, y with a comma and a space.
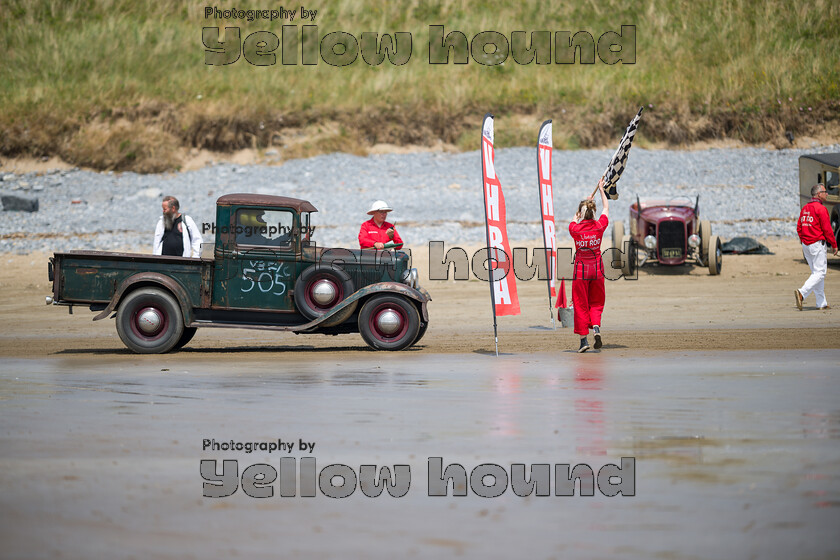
693, 240
410, 277
650, 242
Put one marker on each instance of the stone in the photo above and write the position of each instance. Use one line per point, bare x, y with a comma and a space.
14, 203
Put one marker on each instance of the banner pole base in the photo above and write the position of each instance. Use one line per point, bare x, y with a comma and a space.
497, 346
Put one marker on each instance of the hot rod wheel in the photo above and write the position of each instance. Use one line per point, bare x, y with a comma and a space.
705, 231
715, 255
617, 237
628, 261
149, 321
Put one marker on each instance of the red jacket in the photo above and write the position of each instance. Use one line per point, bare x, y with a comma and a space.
587, 236
370, 233
814, 225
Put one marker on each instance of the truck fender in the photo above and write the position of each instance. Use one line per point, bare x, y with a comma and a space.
150, 279
420, 296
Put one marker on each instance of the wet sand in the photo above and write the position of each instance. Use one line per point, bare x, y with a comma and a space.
720, 389
735, 456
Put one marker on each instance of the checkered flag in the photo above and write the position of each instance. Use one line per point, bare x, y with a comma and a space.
619, 160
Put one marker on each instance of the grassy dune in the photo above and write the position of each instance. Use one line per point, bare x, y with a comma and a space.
123, 84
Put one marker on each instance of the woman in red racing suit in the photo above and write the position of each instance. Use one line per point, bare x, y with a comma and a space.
588, 281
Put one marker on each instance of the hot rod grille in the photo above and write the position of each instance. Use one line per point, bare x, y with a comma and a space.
672, 235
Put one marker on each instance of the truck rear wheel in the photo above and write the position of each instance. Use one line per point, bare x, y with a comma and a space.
189, 333
389, 322
149, 321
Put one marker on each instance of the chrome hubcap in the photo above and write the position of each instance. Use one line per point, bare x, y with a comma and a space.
388, 322
149, 320
323, 292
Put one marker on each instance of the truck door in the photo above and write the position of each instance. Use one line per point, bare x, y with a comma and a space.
257, 271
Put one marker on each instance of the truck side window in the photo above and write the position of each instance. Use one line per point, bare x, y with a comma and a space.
832, 180
264, 228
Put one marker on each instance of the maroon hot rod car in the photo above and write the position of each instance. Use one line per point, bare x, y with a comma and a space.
667, 231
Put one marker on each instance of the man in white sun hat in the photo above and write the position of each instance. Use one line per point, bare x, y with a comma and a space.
376, 232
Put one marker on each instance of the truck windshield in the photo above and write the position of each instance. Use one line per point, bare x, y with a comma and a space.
306, 231
264, 228
832, 180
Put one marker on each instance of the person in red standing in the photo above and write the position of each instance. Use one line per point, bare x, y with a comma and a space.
588, 294
376, 232
814, 229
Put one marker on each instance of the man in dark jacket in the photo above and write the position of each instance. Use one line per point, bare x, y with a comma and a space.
176, 234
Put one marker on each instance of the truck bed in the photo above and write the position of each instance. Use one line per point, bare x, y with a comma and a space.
92, 277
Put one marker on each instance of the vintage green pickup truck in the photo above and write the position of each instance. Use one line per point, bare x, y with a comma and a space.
265, 272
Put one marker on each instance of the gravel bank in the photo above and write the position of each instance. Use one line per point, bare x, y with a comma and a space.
436, 196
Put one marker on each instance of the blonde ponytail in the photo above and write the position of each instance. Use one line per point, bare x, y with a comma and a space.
587, 209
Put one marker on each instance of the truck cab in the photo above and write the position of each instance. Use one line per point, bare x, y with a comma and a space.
825, 169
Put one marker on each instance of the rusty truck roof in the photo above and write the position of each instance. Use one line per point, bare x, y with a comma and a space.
826, 159
250, 199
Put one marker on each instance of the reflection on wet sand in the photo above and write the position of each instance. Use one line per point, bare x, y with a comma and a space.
590, 424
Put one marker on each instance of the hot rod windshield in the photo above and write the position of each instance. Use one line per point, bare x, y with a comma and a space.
680, 201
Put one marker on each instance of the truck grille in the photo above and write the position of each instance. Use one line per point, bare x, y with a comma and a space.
364, 276
672, 236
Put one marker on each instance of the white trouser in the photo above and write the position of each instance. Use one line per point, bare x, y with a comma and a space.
815, 254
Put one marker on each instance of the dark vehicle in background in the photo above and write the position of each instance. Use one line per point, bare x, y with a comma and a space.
825, 169
264, 272
669, 232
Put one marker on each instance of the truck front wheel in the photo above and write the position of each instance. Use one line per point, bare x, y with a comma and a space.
389, 322
149, 321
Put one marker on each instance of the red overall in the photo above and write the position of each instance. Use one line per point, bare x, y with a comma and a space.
588, 293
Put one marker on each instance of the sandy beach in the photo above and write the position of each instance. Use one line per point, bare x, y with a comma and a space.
719, 392
750, 306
